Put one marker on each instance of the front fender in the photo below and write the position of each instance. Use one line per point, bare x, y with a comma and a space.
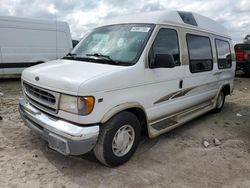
119, 108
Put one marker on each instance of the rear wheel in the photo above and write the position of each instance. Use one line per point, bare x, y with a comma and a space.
220, 102
118, 139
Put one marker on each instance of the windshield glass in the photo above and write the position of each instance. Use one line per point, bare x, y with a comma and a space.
117, 43
242, 47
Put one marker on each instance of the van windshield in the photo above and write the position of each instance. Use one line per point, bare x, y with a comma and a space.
115, 44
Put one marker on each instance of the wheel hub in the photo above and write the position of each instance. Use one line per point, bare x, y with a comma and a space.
123, 140
220, 100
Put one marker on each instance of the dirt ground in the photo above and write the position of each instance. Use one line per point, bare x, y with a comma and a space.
175, 159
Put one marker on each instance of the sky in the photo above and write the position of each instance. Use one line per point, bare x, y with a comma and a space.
83, 15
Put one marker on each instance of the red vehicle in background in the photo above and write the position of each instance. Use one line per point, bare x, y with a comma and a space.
242, 52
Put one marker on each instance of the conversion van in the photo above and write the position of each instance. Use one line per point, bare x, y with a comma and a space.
148, 72
26, 42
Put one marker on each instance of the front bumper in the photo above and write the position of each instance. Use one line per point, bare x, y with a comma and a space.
62, 136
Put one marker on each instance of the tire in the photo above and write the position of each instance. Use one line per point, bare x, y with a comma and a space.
219, 102
124, 125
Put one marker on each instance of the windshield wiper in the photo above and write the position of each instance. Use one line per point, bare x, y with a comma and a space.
105, 57
69, 56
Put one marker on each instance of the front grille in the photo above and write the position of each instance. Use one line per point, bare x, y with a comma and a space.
41, 98
40, 94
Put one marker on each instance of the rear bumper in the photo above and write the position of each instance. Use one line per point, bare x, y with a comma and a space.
62, 136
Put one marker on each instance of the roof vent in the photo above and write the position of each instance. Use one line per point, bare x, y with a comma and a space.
188, 18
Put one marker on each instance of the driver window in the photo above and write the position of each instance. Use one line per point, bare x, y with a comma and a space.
166, 42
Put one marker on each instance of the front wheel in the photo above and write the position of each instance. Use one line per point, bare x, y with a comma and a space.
220, 102
118, 139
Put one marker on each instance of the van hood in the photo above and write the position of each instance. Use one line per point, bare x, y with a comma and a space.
66, 75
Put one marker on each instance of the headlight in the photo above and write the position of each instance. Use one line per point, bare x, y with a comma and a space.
85, 105
77, 105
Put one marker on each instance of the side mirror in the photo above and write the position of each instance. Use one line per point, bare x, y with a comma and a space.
162, 61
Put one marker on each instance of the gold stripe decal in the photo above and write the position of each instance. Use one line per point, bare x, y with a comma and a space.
174, 95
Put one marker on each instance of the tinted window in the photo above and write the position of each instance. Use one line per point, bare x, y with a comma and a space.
166, 42
223, 54
242, 47
200, 53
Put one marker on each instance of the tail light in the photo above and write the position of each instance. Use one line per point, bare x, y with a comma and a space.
241, 56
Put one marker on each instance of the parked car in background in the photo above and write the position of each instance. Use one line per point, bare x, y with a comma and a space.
242, 52
26, 42
149, 72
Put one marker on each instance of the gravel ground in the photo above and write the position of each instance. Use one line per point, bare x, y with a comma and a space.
175, 159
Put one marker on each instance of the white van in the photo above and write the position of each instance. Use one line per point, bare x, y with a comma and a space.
26, 42
147, 72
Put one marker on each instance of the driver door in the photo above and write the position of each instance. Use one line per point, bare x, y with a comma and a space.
164, 85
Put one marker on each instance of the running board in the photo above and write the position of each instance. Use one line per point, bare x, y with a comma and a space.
164, 124
173, 121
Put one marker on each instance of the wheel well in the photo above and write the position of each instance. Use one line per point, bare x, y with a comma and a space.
226, 90
140, 114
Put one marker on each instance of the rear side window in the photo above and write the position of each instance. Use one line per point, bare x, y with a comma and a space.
166, 42
200, 53
223, 54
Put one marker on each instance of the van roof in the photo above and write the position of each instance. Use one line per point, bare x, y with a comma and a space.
30, 20
17, 22
177, 18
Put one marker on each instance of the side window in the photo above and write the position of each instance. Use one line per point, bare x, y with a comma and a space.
166, 42
224, 58
200, 53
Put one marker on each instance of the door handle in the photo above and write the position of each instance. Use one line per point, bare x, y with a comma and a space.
180, 84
